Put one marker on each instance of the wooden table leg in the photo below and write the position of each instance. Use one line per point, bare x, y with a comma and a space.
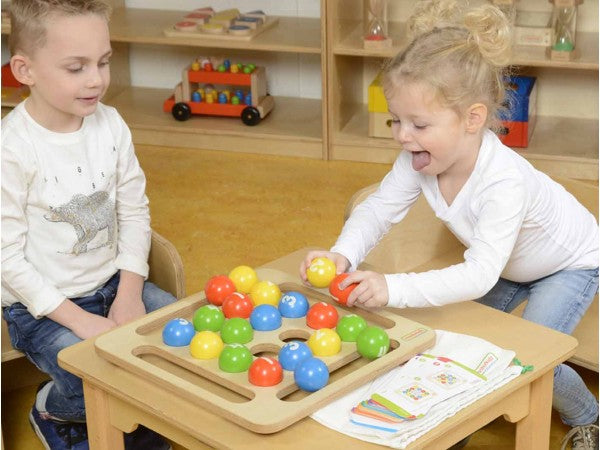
533, 431
101, 433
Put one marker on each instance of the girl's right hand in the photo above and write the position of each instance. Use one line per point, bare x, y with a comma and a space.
341, 262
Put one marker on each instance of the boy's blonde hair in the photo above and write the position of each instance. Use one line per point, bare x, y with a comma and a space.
28, 19
462, 53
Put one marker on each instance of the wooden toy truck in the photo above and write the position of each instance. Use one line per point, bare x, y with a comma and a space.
255, 105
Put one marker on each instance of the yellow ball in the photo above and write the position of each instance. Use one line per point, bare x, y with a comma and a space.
265, 293
320, 272
206, 345
324, 342
244, 278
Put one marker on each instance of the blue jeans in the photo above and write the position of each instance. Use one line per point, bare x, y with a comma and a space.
557, 301
42, 339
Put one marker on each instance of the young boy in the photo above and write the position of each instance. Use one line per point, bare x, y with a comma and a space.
75, 220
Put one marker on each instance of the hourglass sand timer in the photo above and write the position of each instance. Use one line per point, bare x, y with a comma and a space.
376, 34
564, 18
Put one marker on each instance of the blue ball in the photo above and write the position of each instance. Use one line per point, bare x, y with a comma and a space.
265, 318
311, 374
178, 333
293, 305
293, 353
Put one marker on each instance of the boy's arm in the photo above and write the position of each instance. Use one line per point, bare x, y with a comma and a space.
84, 324
128, 303
19, 276
133, 216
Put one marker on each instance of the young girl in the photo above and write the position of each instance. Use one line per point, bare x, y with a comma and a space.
526, 237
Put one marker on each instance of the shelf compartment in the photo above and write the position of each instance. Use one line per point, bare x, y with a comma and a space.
559, 146
350, 42
293, 128
145, 26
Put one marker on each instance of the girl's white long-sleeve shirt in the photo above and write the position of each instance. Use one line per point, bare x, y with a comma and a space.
74, 209
515, 221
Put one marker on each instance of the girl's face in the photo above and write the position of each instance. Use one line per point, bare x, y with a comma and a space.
434, 134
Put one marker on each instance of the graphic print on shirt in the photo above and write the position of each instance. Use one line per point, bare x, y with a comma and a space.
88, 214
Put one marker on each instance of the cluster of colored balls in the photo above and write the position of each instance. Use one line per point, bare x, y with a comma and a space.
209, 94
240, 304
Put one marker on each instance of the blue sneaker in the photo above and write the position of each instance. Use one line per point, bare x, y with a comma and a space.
59, 435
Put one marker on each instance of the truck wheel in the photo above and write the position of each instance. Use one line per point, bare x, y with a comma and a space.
250, 115
181, 111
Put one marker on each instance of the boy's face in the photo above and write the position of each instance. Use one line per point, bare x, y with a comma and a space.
433, 133
70, 73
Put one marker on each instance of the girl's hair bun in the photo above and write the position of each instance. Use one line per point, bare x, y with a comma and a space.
488, 27
490, 30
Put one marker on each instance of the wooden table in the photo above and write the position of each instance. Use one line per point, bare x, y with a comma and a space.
117, 400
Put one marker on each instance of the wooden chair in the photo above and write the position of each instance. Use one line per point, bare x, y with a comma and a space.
421, 242
166, 271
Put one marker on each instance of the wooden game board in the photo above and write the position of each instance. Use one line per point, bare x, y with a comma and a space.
269, 23
138, 348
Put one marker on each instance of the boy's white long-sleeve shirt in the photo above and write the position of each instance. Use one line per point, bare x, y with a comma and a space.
74, 209
515, 221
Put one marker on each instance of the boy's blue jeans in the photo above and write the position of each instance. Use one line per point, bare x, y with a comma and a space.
557, 301
42, 339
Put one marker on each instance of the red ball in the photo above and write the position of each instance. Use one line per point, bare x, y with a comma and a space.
322, 315
218, 288
341, 295
237, 305
265, 372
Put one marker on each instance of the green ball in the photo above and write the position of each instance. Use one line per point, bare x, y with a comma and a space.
235, 100
208, 318
372, 342
221, 68
235, 358
350, 326
237, 330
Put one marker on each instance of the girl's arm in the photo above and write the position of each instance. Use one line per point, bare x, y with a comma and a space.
499, 212
370, 220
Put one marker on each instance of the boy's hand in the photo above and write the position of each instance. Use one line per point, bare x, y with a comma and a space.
82, 323
128, 303
125, 309
92, 325
341, 262
371, 292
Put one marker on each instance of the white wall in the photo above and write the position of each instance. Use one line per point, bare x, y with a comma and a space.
288, 74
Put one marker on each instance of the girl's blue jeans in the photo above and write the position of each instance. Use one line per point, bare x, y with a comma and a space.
557, 301
42, 339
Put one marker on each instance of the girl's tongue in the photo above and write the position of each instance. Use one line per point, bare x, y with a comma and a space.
420, 160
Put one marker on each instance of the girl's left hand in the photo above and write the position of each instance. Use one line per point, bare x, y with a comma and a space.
371, 292
125, 309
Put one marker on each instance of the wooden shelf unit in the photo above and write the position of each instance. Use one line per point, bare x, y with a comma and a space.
145, 26
334, 127
560, 146
295, 129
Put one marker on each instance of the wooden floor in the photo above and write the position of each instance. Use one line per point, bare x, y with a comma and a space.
226, 209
